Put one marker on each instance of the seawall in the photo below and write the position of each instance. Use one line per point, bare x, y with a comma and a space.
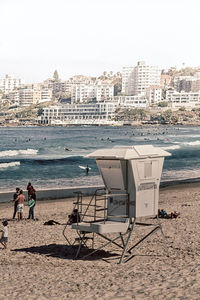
53, 194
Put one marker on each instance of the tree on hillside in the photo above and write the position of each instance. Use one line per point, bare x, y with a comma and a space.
117, 88
40, 112
163, 104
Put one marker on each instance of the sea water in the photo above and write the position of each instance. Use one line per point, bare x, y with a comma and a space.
50, 157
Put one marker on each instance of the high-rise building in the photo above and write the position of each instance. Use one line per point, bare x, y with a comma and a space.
136, 80
127, 80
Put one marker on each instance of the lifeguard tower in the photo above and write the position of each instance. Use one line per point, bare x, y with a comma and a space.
132, 177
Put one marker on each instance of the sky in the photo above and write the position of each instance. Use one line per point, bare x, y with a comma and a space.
89, 37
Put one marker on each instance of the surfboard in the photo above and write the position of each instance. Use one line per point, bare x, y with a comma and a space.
84, 168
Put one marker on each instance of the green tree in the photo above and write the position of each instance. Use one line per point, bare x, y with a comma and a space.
163, 104
117, 88
182, 108
40, 112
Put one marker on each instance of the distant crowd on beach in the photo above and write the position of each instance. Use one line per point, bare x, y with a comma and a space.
19, 199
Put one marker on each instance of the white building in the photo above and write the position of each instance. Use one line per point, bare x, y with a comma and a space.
154, 94
9, 83
136, 80
89, 113
132, 101
183, 83
96, 91
28, 96
182, 99
127, 81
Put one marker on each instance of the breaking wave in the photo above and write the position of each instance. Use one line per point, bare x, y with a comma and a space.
18, 152
195, 143
173, 147
10, 164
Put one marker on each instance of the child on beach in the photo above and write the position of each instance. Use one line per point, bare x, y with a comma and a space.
4, 235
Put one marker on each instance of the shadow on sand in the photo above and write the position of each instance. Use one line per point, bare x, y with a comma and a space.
66, 252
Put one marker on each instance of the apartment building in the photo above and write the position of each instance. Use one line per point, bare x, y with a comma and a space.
183, 83
87, 92
128, 80
139, 101
165, 81
10, 83
136, 80
28, 96
187, 83
183, 99
58, 86
154, 94
88, 113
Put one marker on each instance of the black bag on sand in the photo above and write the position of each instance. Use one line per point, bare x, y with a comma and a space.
51, 222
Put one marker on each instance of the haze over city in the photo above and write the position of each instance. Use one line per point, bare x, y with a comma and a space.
91, 36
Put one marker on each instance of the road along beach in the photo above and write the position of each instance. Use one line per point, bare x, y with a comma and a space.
38, 264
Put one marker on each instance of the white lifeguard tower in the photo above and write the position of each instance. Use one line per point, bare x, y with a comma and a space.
132, 177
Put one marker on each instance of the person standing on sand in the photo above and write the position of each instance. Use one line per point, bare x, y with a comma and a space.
31, 204
4, 235
31, 191
20, 206
16, 194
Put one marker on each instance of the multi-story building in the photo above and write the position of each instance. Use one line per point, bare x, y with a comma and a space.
28, 96
165, 80
196, 82
96, 91
195, 87
88, 113
182, 99
136, 80
10, 83
139, 101
183, 83
127, 81
154, 94
144, 77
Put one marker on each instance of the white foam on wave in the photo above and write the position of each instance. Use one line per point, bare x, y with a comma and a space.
8, 165
18, 152
172, 147
195, 143
170, 175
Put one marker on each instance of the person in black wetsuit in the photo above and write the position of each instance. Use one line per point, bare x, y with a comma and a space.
87, 169
15, 195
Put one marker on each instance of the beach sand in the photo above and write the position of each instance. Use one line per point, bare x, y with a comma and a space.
38, 264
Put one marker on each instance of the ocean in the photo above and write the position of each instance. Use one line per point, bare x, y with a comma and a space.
53, 157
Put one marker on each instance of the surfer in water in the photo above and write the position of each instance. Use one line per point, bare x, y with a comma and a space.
87, 169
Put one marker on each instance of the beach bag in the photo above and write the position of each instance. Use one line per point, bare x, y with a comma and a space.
31, 202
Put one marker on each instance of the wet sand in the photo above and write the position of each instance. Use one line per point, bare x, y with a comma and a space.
38, 264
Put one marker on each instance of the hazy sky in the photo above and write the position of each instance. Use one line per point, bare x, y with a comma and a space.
91, 36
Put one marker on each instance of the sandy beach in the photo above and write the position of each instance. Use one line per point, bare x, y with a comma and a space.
38, 263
